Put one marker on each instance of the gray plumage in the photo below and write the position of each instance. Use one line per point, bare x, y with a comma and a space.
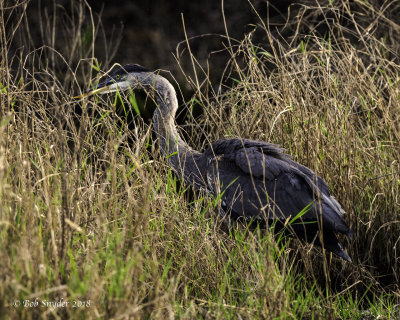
255, 180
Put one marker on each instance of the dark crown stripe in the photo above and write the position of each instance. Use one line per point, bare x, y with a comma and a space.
130, 68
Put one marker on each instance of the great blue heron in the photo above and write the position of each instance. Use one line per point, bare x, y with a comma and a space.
254, 179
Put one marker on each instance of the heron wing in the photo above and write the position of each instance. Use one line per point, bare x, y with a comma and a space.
256, 179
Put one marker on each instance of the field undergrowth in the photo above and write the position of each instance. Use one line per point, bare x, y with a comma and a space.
91, 216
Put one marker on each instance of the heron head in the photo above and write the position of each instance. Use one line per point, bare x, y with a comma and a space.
129, 76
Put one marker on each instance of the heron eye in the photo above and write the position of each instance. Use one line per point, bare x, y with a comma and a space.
117, 76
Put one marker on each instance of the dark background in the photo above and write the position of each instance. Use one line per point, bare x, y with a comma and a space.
142, 31
151, 30
148, 32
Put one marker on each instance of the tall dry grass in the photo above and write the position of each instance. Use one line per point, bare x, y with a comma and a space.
91, 214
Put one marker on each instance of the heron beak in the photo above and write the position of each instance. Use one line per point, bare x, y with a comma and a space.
91, 92
110, 85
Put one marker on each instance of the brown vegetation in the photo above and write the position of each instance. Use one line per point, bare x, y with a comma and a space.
90, 213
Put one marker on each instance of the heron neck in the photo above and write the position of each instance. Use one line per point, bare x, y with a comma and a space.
183, 159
